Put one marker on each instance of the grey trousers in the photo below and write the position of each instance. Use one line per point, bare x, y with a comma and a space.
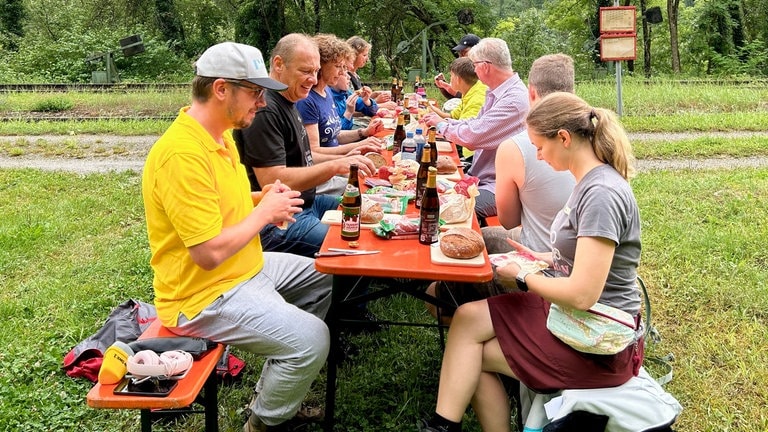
277, 314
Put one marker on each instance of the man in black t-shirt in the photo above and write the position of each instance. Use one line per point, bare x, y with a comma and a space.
276, 147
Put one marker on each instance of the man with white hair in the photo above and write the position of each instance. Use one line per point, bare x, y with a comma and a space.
501, 117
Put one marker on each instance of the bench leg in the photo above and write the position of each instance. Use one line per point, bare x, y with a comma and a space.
211, 399
146, 420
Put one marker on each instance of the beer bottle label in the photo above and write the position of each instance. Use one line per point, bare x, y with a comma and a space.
350, 213
430, 226
350, 221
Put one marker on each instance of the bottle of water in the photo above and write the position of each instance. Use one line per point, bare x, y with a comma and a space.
420, 141
409, 147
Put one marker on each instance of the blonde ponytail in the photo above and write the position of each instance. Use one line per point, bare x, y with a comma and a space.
599, 126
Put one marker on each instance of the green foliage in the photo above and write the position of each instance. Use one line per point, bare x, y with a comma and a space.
12, 14
529, 38
54, 36
158, 63
169, 23
260, 23
54, 104
749, 60
206, 23
41, 60
715, 21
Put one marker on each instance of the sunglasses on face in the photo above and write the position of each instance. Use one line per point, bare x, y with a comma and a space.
256, 91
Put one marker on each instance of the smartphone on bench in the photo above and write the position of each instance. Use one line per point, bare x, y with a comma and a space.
147, 387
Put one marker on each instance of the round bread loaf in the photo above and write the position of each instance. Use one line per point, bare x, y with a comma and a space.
461, 243
445, 165
377, 159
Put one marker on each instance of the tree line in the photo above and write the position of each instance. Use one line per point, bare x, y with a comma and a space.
49, 40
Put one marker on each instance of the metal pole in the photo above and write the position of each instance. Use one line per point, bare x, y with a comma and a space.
618, 89
618, 79
424, 52
108, 63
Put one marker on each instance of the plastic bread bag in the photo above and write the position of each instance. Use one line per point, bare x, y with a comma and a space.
459, 206
399, 229
392, 192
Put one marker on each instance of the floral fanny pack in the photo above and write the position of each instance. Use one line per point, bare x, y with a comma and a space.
601, 329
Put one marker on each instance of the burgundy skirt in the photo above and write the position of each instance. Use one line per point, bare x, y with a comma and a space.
544, 363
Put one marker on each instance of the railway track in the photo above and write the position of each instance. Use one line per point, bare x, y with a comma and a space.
64, 118
95, 88
160, 87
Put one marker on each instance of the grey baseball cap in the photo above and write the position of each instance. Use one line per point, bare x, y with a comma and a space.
468, 41
237, 61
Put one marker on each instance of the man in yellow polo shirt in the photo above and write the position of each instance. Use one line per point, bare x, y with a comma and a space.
211, 277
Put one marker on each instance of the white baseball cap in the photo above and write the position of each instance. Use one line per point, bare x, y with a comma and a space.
237, 61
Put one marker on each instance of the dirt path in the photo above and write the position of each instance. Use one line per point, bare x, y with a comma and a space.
119, 153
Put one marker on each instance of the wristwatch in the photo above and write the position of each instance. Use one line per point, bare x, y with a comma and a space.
521, 280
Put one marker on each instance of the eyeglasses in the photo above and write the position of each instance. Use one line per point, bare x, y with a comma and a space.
475, 63
257, 92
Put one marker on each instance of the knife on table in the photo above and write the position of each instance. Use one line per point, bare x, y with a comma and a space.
343, 252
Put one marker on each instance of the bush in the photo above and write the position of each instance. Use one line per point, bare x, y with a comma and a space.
53, 104
39, 60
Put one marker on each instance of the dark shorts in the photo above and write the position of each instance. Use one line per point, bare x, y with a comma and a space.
541, 361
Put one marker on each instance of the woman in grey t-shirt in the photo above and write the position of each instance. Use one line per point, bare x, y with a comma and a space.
595, 252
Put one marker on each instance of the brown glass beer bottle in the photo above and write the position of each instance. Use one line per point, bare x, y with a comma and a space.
429, 215
422, 174
350, 207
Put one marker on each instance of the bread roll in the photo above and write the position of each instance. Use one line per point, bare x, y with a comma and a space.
461, 243
445, 165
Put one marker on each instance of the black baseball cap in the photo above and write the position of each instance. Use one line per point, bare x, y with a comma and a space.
468, 41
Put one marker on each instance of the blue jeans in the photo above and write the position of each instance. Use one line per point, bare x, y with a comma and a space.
278, 314
305, 236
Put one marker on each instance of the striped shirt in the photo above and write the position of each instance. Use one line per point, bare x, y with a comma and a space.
501, 117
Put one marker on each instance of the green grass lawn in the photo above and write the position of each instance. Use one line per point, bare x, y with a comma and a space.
72, 247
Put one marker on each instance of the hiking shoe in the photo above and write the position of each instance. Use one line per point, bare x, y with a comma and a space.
254, 424
300, 422
309, 414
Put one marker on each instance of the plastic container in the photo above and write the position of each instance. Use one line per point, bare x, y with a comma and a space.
420, 141
409, 149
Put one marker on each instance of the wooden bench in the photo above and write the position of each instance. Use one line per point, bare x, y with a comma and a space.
492, 221
201, 377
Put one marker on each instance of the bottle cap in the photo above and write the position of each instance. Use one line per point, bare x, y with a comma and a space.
419, 131
409, 134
